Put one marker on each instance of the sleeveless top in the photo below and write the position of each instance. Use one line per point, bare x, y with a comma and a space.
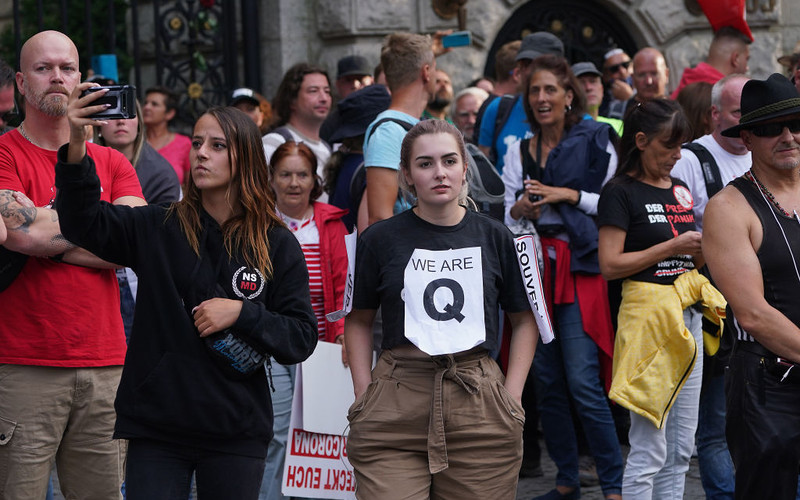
778, 256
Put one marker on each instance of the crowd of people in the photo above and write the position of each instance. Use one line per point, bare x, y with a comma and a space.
158, 290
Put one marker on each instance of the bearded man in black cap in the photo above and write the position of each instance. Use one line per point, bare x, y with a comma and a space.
751, 241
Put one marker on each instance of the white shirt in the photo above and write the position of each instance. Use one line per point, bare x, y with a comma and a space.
689, 170
512, 178
320, 149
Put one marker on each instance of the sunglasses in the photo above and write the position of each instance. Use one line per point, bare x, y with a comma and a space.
776, 129
616, 67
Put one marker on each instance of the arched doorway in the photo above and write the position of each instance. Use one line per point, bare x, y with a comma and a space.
587, 29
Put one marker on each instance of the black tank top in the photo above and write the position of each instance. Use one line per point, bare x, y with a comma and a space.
778, 266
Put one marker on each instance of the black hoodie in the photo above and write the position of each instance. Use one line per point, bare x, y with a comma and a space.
171, 389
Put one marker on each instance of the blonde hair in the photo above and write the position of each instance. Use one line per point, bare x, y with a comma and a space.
403, 55
426, 127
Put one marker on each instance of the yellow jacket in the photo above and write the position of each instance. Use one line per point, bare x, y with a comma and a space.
654, 352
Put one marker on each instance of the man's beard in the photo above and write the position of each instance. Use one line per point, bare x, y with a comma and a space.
49, 105
438, 103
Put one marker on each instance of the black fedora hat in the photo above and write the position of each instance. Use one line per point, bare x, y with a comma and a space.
765, 100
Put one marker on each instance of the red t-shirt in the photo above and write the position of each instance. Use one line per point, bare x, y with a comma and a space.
177, 154
59, 314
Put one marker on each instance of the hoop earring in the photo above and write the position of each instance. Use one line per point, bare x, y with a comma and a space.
568, 109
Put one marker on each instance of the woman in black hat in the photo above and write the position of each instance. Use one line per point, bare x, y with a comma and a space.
345, 177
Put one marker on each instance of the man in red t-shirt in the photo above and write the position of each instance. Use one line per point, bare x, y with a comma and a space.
61, 339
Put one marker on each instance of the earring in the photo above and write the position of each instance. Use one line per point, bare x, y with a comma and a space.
568, 109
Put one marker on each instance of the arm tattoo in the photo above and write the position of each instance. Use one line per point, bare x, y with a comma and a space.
61, 244
19, 218
15, 216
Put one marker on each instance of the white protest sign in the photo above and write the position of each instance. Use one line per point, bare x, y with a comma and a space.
529, 268
443, 295
316, 463
349, 243
327, 390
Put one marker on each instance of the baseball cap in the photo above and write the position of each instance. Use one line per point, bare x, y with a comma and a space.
538, 44
243, 94
585, 68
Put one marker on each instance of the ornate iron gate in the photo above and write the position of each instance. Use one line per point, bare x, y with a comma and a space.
587, 29
191, 46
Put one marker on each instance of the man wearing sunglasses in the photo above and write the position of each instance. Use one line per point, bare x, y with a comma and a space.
617, 83
7, 108
751, 242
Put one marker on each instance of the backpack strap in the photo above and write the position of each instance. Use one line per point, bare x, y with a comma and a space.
504, 108
358, 182
479, 118
284, 132
407, 126
709, 167
530, 167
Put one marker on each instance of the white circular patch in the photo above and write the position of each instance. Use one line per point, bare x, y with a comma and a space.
683, 197
247, 282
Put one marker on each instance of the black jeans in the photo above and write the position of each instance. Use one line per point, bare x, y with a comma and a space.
163, 471
762, 428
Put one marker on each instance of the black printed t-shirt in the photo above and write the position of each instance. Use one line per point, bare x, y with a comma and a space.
385, 249
649, 215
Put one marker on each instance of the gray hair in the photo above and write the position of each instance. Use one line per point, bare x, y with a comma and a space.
716, 90
478, 93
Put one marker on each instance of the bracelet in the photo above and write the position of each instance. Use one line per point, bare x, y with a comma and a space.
580, 194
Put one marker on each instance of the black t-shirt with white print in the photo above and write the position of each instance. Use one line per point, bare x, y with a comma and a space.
440, 278
649, 215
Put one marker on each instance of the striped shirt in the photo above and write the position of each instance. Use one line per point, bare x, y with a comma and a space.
307, 234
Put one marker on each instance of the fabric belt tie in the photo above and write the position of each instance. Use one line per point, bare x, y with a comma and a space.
446, 368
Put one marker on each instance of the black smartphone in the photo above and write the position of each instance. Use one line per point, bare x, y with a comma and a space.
121, 100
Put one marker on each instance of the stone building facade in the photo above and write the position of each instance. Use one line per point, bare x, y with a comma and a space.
325, 30
322, 31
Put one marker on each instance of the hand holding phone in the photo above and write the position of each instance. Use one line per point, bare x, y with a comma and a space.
457, 39
120, 98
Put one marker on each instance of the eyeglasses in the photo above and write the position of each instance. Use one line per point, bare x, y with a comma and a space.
616, 67
776, 129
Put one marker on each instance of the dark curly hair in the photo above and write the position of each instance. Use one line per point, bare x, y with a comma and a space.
289, 89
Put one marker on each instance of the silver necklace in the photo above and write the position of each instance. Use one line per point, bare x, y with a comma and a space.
22, 131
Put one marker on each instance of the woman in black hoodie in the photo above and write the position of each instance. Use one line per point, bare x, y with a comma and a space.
226, 284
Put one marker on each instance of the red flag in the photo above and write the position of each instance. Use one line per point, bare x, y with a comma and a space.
726, 13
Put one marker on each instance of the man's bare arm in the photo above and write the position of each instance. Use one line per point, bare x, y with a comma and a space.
31, 230
382, 184
732, 234
37, 224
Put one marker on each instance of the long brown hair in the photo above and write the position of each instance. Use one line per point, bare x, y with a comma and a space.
254, 212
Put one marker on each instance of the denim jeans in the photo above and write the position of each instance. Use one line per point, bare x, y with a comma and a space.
659, 458
283, 380
127, 303
164, 470
569, 365
716, 467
